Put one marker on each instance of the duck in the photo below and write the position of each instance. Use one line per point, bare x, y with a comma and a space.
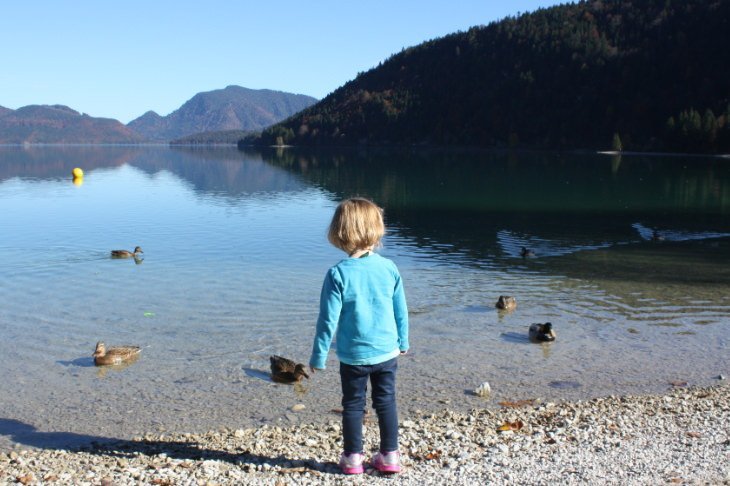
115, 355
540, 333
284, 370
506, 302
127, 254
526, 252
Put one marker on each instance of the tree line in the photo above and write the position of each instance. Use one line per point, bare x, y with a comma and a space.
649, 74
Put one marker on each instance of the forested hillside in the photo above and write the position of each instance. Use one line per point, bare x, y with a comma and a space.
635, 75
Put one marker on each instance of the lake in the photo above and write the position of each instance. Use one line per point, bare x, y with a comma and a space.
631, 265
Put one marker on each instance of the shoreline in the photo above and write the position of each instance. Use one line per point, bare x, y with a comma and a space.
681, 436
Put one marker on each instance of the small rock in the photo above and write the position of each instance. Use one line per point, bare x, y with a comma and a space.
298, 407
239, 433
483, 390
721, 377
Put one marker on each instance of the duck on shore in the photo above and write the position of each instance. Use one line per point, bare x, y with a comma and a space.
506, 302
540, 333
284, 370
115, 355
127, 253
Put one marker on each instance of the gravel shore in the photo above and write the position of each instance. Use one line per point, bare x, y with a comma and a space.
679, 437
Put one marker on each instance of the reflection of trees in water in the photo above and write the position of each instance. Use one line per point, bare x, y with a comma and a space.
492, 203
509, 181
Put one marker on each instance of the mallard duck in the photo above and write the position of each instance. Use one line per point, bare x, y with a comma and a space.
114, 356
526, 252
284, 370
127, 254
540, 333
505, 302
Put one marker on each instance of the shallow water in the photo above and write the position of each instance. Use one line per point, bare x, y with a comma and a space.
235, 253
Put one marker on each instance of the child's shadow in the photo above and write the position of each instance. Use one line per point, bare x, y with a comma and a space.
27, 434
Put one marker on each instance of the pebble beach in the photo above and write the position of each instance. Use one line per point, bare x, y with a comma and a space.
678, 437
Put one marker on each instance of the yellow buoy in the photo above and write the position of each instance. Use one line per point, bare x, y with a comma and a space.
78, 181
77, 173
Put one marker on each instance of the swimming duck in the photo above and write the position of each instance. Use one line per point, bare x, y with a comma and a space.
540, 333
284, 370
526, 252
506, 302
127, 254
114, 356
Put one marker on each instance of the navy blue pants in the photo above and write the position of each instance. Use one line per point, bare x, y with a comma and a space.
354, 389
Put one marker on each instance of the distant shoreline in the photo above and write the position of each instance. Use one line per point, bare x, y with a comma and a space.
379, 147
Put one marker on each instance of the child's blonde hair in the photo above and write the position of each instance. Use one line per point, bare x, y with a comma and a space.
356, 225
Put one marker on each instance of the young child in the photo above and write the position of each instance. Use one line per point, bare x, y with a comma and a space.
364, 305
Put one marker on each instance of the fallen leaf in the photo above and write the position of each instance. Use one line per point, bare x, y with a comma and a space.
50, 478
433, 455
518, 403
510, 426
678, 383
27, 479
696, 435
675, 480
162, 482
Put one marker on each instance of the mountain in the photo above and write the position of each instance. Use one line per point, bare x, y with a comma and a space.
637, 75
60, 124
232, 108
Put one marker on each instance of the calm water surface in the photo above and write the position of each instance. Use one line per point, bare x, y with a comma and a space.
235, 253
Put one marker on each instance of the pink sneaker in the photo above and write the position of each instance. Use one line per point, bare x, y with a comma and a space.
352, 463
388, 462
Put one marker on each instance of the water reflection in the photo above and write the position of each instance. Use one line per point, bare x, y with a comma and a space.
222, 172
462, 207
482, 208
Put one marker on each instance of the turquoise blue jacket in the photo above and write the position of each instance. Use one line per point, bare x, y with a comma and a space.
363, 306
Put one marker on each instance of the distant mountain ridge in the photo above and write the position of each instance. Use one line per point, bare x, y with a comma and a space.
231, 108
226, 110
638, 75
60, 124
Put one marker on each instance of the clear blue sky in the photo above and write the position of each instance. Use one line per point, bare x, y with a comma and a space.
120, 59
